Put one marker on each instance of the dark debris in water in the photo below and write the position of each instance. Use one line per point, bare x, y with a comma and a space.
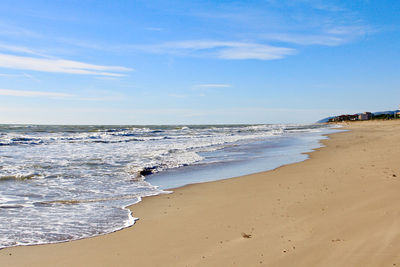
147, 171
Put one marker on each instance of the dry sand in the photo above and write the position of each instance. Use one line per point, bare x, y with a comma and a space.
339, 208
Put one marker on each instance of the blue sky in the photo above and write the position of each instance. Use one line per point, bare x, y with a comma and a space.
196, 62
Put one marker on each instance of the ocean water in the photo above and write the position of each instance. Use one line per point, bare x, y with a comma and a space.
59, 183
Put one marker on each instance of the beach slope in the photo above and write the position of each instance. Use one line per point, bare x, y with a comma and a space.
339, 208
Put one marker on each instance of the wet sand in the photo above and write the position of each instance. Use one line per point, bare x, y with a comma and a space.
339, 208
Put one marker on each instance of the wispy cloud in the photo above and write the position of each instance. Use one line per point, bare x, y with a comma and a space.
100, 98
86, 95
355, 30
12, 30
313, 4
8, 92
329, 37
301, 22
220, 49
24, 75
212, 85
306, 39
59, 66
19, 49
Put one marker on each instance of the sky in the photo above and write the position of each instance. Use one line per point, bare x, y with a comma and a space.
196, 62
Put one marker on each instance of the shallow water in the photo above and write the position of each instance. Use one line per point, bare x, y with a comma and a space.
59, 183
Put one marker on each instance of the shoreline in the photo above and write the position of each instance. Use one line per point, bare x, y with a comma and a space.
285, 216
173, 178
321, 141
216, 171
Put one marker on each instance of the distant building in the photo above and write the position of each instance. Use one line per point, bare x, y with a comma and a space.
346, 117
365, 116
398, 114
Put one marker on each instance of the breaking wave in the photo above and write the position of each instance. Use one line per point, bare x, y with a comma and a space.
83, 177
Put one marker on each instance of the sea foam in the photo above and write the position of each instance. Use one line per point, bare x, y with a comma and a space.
59, 183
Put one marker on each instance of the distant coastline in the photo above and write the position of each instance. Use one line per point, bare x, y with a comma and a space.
380, 115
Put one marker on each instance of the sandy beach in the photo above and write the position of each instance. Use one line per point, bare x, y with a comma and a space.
339, 208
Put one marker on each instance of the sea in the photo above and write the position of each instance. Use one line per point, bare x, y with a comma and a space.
61, 183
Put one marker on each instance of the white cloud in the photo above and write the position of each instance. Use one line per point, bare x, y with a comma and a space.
19, 49
255, 51
8, 92
11, 30
101, 98
349, 30
91, 95
59, 66
330, 37
220, 49
18, 75
213, 85
328, 40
